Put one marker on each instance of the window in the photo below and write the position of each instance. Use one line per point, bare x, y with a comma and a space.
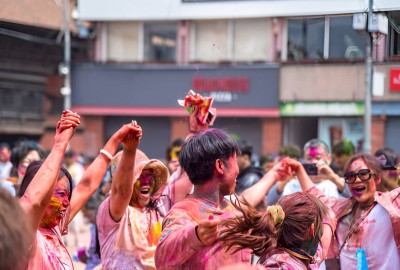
394, 33
344, 41
305, 39
160, 42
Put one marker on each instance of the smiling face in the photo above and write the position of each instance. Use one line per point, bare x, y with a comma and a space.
58, 204
143, 189
362, 191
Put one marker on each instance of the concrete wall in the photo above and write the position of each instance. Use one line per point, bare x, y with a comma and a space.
322, 82
123, 41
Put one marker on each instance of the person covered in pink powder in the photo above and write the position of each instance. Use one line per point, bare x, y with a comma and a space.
129, 220
293, 234
190, 229
368, 222
46, 194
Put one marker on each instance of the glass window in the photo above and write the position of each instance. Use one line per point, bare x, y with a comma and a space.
344, 41
305, 39
160, 42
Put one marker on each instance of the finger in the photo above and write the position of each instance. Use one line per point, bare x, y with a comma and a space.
70, 122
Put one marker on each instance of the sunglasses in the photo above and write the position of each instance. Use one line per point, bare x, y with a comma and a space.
364, 175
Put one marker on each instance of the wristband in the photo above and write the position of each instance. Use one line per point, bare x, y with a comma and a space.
106, 153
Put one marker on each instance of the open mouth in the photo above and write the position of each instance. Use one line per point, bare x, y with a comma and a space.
357, 191
145, 191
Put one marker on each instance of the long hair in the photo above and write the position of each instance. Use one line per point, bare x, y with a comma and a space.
31, 171
258, 232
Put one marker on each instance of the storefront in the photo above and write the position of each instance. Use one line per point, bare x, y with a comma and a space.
328, 121
246, 99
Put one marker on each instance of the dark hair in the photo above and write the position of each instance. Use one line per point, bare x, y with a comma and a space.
5, 145
20, 151
369, 160
389, 162
290, 150
344, 147
31, 171
176, 143
392, 158
314, 143
15, 233
199, 153
257, 231
245, 148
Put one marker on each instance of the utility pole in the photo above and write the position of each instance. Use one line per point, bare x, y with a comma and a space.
66, 68
368, 85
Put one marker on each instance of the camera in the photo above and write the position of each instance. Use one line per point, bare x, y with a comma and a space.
311, 168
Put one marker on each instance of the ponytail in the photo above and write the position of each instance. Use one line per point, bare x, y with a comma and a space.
251, 229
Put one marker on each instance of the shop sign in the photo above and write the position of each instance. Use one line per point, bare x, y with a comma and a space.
221, 89
321, 109
394, 79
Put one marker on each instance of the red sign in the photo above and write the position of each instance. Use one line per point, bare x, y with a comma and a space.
226, 84
395, 79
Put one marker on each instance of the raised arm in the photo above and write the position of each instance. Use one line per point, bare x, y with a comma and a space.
94, 174
38, 194
326, 172
123, 179
257, 192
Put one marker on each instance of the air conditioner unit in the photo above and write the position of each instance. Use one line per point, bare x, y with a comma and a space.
379, 23
359, 21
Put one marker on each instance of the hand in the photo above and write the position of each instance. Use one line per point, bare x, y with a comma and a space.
119, 136
195, 126
207, 231
132, 138
66, 127
285, 169
325, 171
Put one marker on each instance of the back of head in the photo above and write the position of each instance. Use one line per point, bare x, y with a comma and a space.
301, 210
245, 148
290, 150
286, 225
388, 158
174, 149
15, 233
344, 147
199, 153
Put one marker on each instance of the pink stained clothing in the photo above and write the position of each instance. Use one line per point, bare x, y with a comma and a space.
279, 259
390, 201
49, 251
131, 242
179, 247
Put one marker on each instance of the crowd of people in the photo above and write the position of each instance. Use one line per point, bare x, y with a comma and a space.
208, 205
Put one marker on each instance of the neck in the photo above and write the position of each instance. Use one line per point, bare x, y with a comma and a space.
366, 205
209, 192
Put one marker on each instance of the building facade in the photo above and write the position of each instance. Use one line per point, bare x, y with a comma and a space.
280, 72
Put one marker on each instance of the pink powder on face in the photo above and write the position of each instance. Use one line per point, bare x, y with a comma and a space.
313, 152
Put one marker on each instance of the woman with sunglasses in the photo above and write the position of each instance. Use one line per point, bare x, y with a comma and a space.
368, 222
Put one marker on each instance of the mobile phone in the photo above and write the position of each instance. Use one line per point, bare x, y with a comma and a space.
311, 168
210, 117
